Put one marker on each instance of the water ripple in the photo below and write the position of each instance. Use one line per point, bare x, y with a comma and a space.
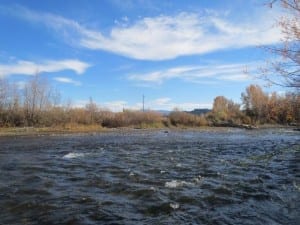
150, 177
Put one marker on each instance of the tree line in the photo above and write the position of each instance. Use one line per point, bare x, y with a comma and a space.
258, 107
37, 104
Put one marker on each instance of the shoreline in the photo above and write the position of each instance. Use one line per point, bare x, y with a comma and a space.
87, 130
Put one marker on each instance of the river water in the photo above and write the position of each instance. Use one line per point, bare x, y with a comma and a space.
152, 177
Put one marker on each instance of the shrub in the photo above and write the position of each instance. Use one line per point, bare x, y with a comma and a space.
186, 119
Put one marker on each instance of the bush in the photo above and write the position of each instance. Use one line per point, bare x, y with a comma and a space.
186, 119
129, 118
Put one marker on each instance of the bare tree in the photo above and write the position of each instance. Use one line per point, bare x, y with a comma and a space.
55, 97
37, 95
3, 100
14, 109
92, 110
285, 71
3, 93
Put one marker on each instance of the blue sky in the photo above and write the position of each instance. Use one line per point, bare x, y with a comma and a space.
177, 53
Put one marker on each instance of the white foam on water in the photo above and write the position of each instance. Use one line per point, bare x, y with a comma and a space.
198, 179
73, 155
153, 188
176, 184
174, 205
296, 186
178, 165
131, 174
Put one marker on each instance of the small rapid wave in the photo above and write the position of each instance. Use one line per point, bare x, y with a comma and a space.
151, 178
73, 155
174, 205
181, 183
176, 184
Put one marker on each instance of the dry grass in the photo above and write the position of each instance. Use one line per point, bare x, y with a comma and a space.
68, 128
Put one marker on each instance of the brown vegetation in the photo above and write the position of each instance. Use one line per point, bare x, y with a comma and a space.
136, 119
178, 118
37, 105
225, 111
263, 108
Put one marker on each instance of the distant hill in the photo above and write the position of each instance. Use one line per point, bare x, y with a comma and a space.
199, 111
194, 111
164, 112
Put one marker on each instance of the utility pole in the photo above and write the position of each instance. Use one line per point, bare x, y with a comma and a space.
143, 103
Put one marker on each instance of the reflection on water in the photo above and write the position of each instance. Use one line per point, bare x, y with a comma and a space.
152, 177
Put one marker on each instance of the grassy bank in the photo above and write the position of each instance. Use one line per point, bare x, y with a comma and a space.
16, 131
92, 129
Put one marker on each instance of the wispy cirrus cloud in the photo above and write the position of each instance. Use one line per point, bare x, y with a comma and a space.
67, 80
166, 103
115, 106
49, 66
197, 74
163, 103
164, 37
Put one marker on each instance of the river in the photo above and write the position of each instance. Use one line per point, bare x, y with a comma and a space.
226, 176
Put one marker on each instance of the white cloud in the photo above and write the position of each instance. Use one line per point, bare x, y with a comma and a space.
78, 103
67, 80
161, 101
50, 66
236, 77
166, 103
116, 106
196, 74
166, 37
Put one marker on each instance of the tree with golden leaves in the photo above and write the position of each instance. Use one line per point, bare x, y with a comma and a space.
255, 103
